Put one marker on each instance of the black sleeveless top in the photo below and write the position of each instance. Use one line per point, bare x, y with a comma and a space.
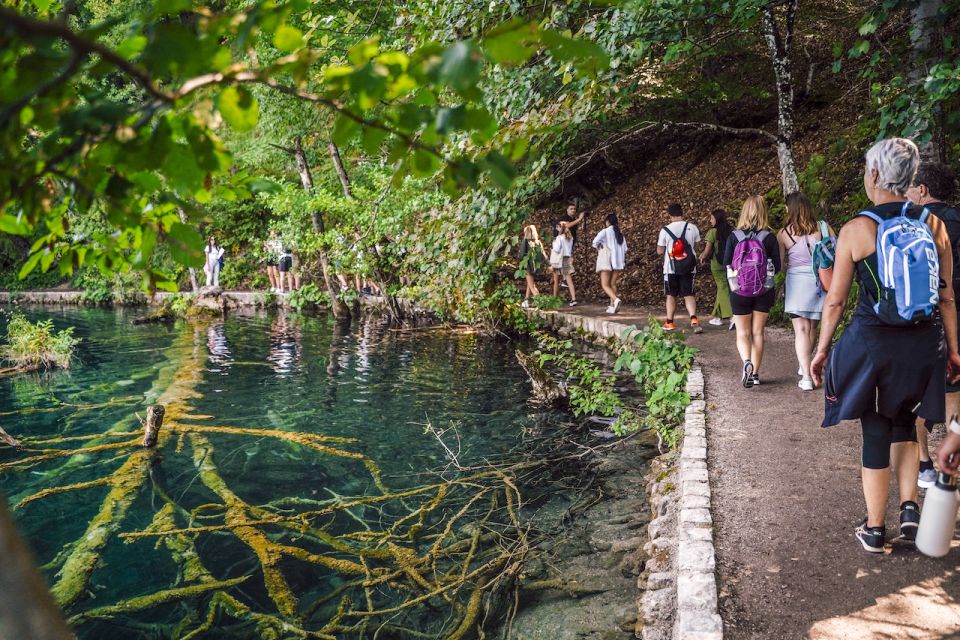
868, 270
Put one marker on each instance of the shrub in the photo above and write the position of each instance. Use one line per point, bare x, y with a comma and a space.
37, 345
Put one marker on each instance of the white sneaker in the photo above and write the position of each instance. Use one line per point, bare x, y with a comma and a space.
525, 304
716, 322
805, 384
616, 304
611, 310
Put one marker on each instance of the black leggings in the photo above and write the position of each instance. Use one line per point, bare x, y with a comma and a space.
879, 432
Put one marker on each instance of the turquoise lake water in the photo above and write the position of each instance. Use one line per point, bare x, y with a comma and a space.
273, 374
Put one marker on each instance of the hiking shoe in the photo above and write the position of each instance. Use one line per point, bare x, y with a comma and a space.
756, 380
669, 326
805, 384
870, 537
909, 519
572, 303
927, 477
695, 324
747, 378
616, 304
716, 322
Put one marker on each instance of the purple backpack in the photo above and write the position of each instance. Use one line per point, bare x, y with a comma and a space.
750, 263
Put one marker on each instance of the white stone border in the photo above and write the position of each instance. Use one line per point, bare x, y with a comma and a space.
698, 616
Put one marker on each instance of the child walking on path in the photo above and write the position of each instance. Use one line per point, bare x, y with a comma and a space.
752, 267
716, 243
803, 298
561, 260
611, 258
677, 244
532, 256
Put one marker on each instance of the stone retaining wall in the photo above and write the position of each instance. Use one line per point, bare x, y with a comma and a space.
679, 599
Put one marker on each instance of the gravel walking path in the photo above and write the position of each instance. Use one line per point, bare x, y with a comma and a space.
786, 498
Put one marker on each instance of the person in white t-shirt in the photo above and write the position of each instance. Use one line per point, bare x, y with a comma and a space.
679, 269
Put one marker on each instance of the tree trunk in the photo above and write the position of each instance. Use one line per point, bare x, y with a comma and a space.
340, 310
151, 426
396, 312
778, 45
341, 172
193, 272
921, 39
26, 608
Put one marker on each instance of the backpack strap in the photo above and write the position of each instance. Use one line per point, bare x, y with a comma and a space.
683, 234
870, 214
670, 233
824, 229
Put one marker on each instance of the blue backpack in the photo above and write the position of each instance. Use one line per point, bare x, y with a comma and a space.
909, 265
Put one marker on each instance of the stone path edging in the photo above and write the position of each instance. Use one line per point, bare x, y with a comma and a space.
680, 599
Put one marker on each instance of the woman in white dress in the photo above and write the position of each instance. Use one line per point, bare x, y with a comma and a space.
611, 259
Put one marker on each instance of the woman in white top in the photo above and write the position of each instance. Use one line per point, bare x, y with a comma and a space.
611, 259
211, 267
803, 298
563, 249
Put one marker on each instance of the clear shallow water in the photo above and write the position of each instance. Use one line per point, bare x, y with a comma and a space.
238, 378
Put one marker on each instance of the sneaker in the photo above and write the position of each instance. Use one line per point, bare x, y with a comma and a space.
572, 303
733, 325
696, 325
669, 326
564, 285
806, 384
909, 519
715, 322
525, 304
747, 378
927, 477
870, 537
756, 380
616, 304
611, 310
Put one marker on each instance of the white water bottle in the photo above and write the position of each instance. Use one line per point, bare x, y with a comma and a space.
732, 279
939, 517
770, 273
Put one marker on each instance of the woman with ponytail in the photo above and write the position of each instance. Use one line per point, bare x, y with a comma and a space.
611, 258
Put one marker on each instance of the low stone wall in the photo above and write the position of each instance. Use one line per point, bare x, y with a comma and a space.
679, 599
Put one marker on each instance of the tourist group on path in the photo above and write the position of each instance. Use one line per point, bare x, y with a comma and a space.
896, 365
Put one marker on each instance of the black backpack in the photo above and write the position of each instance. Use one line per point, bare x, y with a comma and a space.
681, 256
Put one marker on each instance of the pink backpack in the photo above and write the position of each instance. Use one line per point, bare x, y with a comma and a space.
750, 263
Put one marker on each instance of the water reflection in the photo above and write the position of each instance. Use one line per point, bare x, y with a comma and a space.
219, 351
286, 349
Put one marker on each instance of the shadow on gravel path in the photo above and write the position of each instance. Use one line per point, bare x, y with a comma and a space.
786, 498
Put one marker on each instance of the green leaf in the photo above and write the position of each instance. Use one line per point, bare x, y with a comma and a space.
344, 129
262, 185
459, 67
186, 245
508, 43
586, 55
287, 38
239, 108
373, 139
132, 46
42, 5
501, 170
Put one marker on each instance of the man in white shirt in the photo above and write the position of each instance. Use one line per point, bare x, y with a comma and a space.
679, 265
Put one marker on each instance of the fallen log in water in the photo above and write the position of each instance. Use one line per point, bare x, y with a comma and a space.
10, 440
546, 390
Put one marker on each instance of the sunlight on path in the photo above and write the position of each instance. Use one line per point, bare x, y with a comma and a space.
918, 611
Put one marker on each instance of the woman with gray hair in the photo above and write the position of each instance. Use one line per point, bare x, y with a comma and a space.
887, 369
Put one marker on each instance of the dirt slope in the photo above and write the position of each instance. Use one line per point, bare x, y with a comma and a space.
702, 172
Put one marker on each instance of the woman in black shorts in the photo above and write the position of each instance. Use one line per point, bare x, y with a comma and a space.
881, 374
750, 314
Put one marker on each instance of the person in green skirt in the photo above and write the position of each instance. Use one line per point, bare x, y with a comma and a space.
716, 240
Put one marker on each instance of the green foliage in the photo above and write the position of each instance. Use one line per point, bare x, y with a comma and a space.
659, 361
547, 302
307, 297
592, 391
37, 345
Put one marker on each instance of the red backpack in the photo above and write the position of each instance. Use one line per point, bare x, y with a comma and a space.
681, 256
